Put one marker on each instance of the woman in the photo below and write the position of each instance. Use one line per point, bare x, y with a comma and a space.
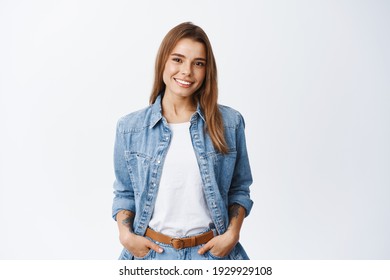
181, 165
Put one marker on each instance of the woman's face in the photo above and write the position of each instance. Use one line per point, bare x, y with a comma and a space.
185, 68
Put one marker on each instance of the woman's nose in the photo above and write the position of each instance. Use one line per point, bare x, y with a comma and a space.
186, 69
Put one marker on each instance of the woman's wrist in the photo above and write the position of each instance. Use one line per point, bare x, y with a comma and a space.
126, 237
233, 234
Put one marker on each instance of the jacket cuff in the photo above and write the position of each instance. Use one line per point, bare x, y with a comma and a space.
244, 201
122, 203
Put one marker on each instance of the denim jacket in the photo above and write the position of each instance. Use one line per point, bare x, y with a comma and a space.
142, 142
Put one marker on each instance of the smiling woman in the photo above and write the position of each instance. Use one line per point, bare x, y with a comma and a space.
181, 164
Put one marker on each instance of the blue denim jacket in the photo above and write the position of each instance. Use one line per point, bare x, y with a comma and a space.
142, 141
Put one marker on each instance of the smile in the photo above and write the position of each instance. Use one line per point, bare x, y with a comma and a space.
182, 82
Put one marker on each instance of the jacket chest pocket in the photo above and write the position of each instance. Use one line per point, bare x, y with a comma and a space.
223, 165
138, 165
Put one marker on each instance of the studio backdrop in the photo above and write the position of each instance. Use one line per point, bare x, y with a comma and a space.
311, 79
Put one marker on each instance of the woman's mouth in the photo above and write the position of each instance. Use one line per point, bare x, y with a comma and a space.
183, 83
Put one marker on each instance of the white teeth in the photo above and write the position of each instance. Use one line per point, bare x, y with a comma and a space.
183, 82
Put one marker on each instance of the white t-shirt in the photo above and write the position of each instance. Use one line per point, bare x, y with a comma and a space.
180, 208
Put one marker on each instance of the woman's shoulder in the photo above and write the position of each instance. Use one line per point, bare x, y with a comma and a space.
135, 120
231, 117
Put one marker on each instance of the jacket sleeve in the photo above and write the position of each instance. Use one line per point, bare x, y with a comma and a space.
123, 189
242, 176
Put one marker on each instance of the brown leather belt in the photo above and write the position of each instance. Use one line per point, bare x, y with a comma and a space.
180, 243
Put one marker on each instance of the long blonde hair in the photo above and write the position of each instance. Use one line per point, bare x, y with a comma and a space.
207, 94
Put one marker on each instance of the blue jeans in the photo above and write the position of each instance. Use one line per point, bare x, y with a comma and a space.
170, 253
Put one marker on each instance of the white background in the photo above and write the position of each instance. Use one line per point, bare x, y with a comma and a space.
310, 77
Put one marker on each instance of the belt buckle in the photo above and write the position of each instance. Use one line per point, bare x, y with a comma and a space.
177, 243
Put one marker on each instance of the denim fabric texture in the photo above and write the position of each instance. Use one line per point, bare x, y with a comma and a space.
171, 253
141, 144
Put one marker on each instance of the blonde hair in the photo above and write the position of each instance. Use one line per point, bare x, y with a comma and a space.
207, 94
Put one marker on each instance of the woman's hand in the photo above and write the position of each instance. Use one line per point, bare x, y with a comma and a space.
138, 245
221, 245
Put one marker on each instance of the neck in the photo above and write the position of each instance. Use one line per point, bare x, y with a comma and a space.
176, 109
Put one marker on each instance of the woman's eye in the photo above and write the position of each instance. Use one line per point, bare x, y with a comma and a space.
176, 59
199, 63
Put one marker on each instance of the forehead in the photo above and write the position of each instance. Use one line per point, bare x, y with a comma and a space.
190, 48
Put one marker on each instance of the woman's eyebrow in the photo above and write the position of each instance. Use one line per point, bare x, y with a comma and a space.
180, 55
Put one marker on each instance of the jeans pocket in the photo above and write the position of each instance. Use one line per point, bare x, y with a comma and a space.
148, 256
210, 256
125, 255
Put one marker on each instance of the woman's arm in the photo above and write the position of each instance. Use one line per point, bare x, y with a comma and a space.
239, 200
124, 205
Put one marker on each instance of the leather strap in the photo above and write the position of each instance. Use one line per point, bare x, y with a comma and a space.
180, 243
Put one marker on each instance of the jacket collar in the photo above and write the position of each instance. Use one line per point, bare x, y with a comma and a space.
157, 111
